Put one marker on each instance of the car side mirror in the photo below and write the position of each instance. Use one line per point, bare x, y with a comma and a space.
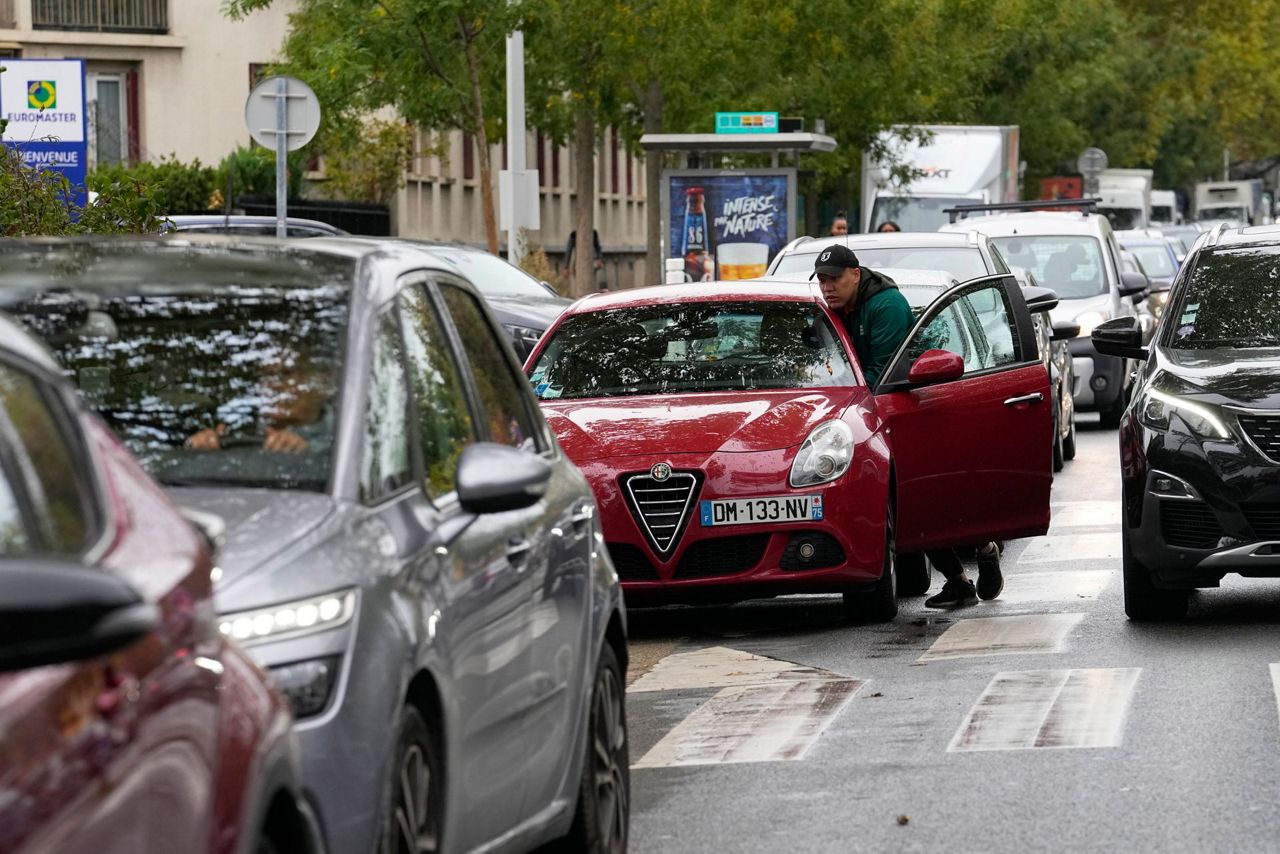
59, 612
1040, 299
1065, 330
935, 366
1132, 284
1120, 337
494, 478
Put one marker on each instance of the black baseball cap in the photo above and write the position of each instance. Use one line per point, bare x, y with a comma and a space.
833, 260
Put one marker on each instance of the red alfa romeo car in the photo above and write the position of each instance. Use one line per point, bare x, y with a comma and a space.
736, 451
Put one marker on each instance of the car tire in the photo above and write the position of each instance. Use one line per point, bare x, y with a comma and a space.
602, 817
1143, 601
914, 574
1069, 442
880, 604
413, 798
1059, 455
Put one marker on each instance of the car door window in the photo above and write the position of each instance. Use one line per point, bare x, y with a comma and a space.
976, 324
387, 464
945, 332
439, 396
501, 387
39, 470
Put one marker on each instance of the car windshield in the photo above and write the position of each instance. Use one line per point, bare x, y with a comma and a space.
1230, 214
494, 277
1232, 300
960, 262
1069, 265
913, 213
1155, 259
1122, 218
215, 377
692, 347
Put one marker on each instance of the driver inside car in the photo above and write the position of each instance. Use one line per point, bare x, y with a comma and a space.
293, 406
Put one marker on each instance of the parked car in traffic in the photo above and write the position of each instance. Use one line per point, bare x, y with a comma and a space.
1200, 443
1159, 261
964, 256
127, 721
408, 552
736, 451
1076, 256
248, 226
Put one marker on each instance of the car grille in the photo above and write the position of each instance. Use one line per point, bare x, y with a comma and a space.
631, 562
1189, 525
1263, 431
662, 507
826, 552
722, 556
1264, 519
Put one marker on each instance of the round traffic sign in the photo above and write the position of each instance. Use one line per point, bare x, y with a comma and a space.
1092, 161
301, 118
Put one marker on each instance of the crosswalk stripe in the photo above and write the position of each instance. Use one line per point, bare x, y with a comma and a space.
1071, 548
1024, 634
1275, 682
720, 667
1049, 709
1085, 514
772, 722
1064, 586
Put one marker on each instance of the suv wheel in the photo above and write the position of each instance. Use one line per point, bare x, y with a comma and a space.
601, 820
1143, 601
413, 796
880, 605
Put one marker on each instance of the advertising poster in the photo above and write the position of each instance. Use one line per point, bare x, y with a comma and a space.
728, 225
43, 102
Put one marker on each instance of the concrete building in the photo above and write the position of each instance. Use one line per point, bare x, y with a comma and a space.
170, 77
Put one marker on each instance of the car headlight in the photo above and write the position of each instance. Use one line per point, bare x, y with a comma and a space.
306, 684
1156, 301
1159, 405
824, 456
302, 617
524, 337
1090, 319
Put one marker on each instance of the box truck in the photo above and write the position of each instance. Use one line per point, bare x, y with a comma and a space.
1241, 202
1125, 197
929, 168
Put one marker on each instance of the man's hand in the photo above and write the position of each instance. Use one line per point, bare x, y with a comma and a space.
209, 439
283, 442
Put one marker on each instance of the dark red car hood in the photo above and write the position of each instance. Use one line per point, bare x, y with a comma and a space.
697, 423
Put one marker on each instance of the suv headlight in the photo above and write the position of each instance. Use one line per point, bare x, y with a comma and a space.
1159, 405
824, 456
301, 617
1156, 301
1090, 319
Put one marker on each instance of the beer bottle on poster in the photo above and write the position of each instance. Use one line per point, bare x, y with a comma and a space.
697, 244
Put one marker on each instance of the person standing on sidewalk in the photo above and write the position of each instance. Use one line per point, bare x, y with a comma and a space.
878, 319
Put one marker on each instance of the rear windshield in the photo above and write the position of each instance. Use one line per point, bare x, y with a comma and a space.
962, 263
694, 347
211, 373
1155, 260
1232, 300
1071, 266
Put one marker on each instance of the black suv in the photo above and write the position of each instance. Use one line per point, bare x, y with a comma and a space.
1200, 441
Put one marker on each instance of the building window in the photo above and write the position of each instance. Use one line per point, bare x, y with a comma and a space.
613, 161
630, 163
468, 156
541, 143
257, 73
555, 166
112, 102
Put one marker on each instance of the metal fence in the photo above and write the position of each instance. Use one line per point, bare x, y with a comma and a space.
103, 16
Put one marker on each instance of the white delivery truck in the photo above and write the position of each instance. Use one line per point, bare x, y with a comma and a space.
1164, 208
1125, 197
1240, 202
943, 166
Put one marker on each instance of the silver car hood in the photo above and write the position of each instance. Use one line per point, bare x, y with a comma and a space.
1069, 309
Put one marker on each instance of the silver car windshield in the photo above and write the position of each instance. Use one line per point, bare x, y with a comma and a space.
1068, 264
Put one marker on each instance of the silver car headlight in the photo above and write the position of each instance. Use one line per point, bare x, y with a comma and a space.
291, 619
1089, 319
824, 456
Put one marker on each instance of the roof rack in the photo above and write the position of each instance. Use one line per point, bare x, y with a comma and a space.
1089, 206
1216, 234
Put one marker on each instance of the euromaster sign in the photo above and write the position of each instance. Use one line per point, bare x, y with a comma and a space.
43, 102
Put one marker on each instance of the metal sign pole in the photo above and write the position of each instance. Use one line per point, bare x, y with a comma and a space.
282, 156
515, 140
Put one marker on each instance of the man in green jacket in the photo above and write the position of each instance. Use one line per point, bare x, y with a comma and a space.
878, 319
874, 311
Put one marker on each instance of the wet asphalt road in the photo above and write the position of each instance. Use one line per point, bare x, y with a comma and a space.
1043, 720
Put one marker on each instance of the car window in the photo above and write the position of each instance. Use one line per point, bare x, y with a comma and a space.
502, 392
39, 465
1156, 260
961, 262
1231, 301
1070, 265
494, 277
386, 462
977, 325
692, 347
944, 332
440, 402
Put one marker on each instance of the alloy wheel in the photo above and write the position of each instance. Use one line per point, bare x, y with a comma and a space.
415, 823
609, 762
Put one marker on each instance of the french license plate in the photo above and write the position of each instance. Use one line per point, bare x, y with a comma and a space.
758, 511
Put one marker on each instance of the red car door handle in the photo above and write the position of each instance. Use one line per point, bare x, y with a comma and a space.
1034, 397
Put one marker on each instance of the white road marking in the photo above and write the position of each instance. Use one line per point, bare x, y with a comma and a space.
1049, 709
1071, 548
1275, 682
1085, 514
773, 722
1064, 586
1028, 634
720, 667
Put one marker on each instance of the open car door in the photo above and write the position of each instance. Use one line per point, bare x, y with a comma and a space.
969, 417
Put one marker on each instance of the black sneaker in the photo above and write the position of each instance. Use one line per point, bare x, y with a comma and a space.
956, 593
990, 578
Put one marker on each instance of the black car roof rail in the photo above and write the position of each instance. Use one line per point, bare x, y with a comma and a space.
1088, 206
1218, 230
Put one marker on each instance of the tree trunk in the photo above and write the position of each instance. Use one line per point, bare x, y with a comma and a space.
584, 219
653, 257
482, 143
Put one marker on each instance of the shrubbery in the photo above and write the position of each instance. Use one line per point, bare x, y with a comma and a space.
35, 202
179, 188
